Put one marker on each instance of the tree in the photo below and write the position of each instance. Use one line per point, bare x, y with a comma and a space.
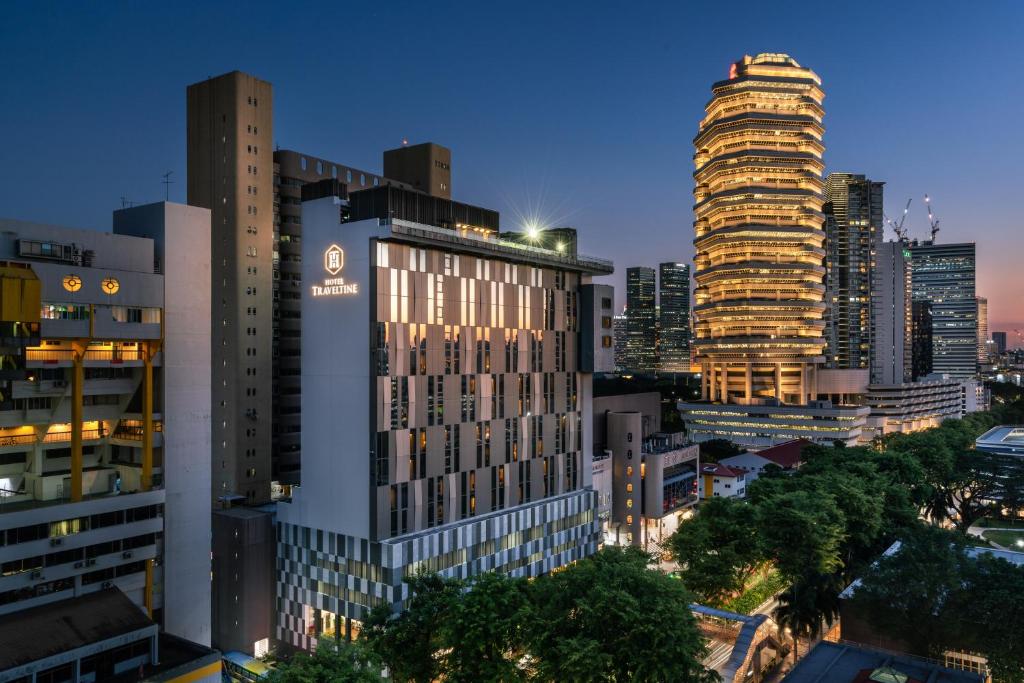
482, 634
714, 450
807, 604
331, 662
803, 532
409, 642
718, 549
613, 618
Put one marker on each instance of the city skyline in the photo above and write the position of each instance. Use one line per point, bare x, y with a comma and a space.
619, 130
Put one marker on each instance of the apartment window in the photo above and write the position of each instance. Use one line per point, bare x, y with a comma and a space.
348, 176
362, 179
320, 167
334, 171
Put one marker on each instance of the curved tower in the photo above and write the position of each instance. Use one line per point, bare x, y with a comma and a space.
759, 261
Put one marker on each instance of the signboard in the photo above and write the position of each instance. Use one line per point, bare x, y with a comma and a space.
334, 262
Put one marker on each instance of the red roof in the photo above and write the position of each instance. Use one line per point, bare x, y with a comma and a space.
720, 470
786, 455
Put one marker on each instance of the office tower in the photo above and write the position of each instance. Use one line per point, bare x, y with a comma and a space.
943, 275
461, 442
891, 321
641, 335
425, 167
674, 317
759, 239
293, 170
999, 342
921, 343
983, 350
759, 266
230, 172
853, 234
620, 329
105, 398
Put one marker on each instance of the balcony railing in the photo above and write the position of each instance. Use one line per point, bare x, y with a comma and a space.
57, 355
87, 435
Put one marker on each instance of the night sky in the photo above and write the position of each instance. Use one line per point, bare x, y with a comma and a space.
581, 113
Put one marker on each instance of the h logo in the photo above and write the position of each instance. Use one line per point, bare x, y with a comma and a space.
334, 259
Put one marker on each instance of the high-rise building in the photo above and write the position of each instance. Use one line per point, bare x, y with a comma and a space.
983, 346
853, 235
999, 342
891, 322
461, 442
759, 264
943, 275
231, 172
674, 317
921, 339
292, 171
759, 238
426, 167
641, 321
620, 331
105, 413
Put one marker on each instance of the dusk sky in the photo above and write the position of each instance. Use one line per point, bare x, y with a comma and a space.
583, 112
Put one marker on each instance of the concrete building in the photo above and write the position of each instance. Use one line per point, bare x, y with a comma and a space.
720, 481
911, 406
426, 167
891, 352
641, 321
849, 661
620, 331
673, 317
231, 172
105, 415
853, 236
787, 456
759, 266
446, 402
943, 275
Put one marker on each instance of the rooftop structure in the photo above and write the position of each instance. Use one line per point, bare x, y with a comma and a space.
847, 663
1008, 440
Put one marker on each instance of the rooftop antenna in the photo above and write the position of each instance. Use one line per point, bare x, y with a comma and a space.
125, 202
932, 220
901, 232
167, 185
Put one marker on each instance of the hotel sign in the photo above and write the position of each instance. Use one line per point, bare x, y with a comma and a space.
334, 262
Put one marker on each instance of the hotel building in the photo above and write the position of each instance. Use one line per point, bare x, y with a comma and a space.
446, 384
759, 264
105, 425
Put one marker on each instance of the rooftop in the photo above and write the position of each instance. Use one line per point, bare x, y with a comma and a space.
721, 471
1003, 436
44, 631
843, 663
786, 455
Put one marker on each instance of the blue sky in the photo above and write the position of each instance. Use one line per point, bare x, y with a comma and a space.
583, 110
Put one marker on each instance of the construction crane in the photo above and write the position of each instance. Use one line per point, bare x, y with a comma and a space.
901, 232
932, 220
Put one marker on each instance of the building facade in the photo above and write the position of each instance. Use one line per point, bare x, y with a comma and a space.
674, 317
943, 275
983, 340
853, 236
921, 339
891, 352
641, 321
999, 342
231, 173
469, 449
104, 415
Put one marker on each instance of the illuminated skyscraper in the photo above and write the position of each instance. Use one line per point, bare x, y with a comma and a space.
853, 230
983, 350
943, 274
674, 317
759, 238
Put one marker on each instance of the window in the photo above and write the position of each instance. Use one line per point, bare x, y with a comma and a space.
320, 167
348, 176
362, 179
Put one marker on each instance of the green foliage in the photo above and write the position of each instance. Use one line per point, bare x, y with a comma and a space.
719, 549
714, 450
759, 590
599, 619
612, 618
331, 663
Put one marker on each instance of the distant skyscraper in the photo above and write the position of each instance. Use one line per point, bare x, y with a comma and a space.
641, 335
674, 317
983, 349
943, 274
921, 339
891, 323
853, 234
759, 238
231, 172
620, 331
999, 342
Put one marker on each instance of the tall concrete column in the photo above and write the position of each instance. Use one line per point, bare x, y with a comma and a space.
803, 383
749, 383
778, 382
724, 376
712, 385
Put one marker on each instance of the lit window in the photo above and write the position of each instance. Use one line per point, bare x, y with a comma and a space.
110, 285
302, 163
72, 283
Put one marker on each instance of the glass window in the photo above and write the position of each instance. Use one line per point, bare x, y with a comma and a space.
302, 163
